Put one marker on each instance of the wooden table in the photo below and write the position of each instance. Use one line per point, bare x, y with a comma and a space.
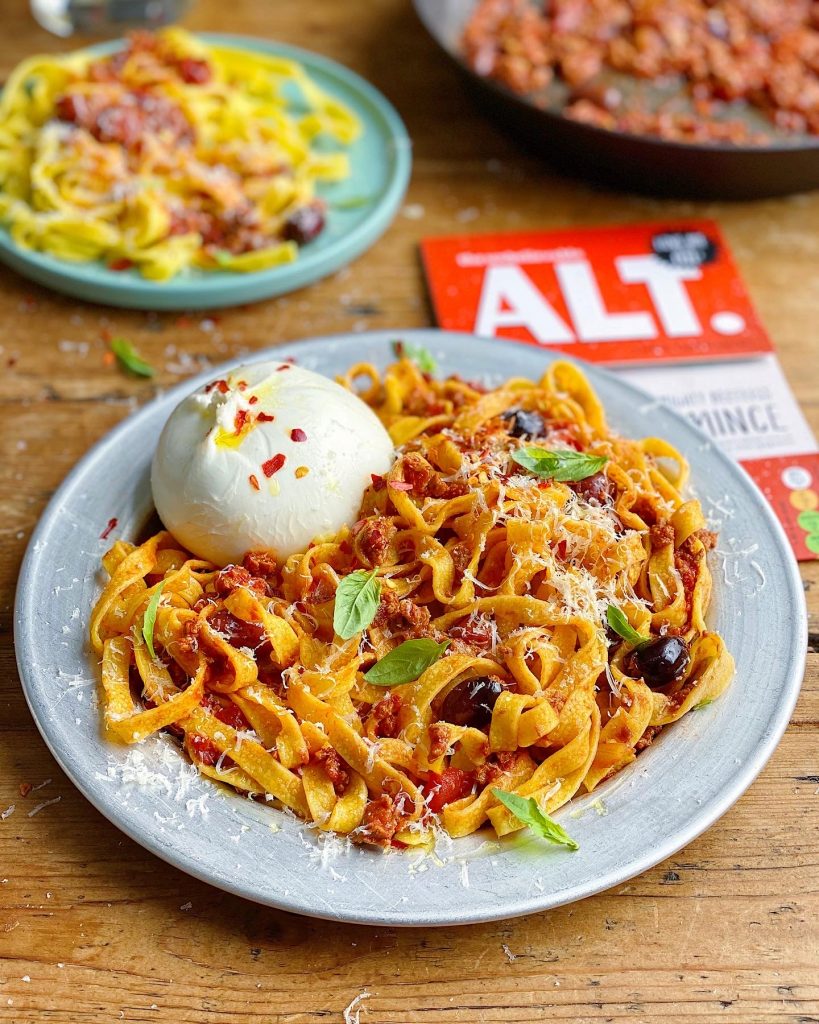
94, 929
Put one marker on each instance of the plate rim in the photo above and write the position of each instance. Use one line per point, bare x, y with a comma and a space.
701, 820
220, 288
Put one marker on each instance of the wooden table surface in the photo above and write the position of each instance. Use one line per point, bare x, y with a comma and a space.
94, 929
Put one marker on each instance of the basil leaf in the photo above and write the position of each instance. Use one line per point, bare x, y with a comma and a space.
417, 354
149, 619
353, 203
406, 662
130, 359
526, 809
559, 465
703, 704
357, 600
622, 627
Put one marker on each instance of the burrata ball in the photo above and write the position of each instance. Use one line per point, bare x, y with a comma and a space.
269, 458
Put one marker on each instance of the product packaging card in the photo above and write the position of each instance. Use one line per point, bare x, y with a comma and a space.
662, 305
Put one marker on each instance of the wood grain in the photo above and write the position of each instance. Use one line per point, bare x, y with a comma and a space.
94, 930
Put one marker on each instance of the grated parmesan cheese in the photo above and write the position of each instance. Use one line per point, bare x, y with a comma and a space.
352, 1013
43, 805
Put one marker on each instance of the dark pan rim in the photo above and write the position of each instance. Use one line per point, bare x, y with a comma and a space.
805, 145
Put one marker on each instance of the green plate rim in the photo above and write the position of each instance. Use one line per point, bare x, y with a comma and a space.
95, 283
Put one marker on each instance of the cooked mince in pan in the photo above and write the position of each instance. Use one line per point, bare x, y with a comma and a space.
726, 56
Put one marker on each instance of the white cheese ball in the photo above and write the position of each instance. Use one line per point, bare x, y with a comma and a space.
270, 458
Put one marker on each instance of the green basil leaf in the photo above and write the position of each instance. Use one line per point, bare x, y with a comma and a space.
526, 809
622, 627
417, 354
406, 662
357, 600
130, 359
353, 203
564, 466
149, 619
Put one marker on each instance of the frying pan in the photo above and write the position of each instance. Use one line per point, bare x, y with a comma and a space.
637, 163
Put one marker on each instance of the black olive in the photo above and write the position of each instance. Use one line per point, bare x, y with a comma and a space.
304, 224
595, 489
525, 423
660, 661
471, 702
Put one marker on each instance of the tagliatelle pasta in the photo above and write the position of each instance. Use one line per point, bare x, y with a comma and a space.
168, 154
561, 621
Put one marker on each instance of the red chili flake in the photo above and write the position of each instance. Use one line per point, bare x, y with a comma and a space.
284, 366
106, 334
121, 264
25, 788
253, 400
264, 417
108, 359
297, 434
112, 523
242, 417
400, 485
254, 482
242, 385
12, 361
182, 321
220, 385
378, 482
273, 465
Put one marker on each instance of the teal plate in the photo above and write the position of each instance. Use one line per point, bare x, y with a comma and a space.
380, 162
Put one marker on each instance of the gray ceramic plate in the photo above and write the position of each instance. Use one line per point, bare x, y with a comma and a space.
676, 789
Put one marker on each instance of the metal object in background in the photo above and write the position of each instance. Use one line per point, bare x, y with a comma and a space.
637, 163
105, 17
